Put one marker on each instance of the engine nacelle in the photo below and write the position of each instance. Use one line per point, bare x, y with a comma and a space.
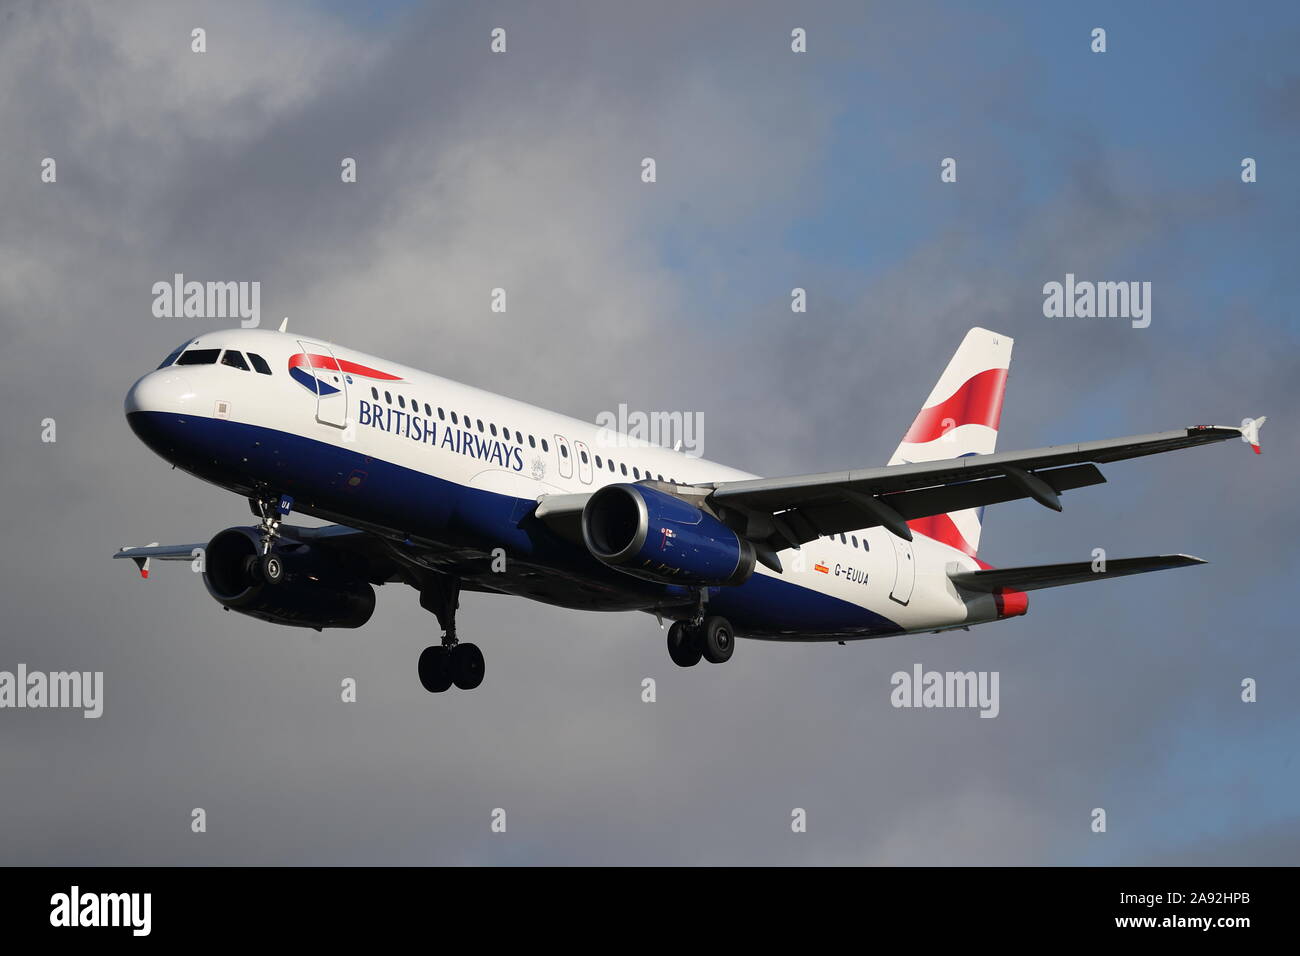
317, 590
662, 538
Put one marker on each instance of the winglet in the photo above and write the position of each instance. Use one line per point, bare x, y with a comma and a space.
284, 326
1250, 431
141, 563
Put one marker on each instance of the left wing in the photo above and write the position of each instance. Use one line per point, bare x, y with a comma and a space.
1040, 576
786, 512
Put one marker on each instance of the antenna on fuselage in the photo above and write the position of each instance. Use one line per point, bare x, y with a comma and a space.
284, 326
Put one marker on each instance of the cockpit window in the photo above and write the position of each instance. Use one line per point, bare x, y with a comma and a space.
259, 363
199, 357
172, 355
234, 360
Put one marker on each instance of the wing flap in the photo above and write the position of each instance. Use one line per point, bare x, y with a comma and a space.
1037, 577
833, 515
781, 493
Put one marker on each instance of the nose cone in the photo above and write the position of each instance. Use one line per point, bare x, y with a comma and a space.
166, 390
155, 407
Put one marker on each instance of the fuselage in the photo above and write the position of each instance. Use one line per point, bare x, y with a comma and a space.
452, 473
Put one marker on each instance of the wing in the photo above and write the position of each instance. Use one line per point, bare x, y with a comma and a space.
330, 536
1040, 576
166, 552
786, 512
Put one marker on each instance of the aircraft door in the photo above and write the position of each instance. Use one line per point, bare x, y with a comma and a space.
904, 570
330, 381
584, 461
565, 456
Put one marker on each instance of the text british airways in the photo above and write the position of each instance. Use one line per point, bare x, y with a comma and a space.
421, 429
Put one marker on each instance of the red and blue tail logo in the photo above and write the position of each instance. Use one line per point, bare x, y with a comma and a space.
301, 365
960, 418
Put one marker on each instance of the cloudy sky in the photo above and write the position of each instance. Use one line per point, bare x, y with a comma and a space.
775, 170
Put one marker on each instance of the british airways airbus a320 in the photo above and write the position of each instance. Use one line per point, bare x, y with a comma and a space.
447, 488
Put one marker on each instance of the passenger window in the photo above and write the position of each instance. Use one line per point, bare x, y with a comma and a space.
610, 462
636, 473
599, 463
428, 412
401, 402
855, 540
259, 364
532, 442
480, 424
234, 360
199, 357
388, 397
623, 467
519, 437
545, 447
374, 393
442, 416
493, 427
564, 452
453, 419
584, 456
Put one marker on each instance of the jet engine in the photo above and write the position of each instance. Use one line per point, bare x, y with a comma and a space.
296, 584
650, 534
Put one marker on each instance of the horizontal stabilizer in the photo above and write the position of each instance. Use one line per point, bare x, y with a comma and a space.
1039, 576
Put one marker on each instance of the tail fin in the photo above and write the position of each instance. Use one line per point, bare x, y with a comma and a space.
960, 418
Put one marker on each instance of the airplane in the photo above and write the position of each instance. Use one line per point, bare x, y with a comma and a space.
449, 488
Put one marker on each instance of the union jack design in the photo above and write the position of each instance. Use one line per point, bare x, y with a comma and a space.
960, 418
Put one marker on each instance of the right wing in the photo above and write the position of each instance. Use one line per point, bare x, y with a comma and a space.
167, 552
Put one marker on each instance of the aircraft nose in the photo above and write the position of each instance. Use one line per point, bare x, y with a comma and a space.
162, 391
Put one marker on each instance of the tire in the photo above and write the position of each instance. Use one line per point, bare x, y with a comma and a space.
467, 666
719, 640
683, 647
435, 669
272, 567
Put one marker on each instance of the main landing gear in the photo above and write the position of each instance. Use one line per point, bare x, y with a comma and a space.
712, 639
451, 662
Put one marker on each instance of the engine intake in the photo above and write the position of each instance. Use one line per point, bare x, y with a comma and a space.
660, 537
317, 589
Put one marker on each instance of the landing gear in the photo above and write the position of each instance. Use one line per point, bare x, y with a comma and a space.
270, 510
452, 662
712, 639
466, 666
682, 647
718, 641
435, 669
272, 568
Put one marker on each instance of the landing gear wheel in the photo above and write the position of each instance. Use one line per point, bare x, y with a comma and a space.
467, 666
435, 669
719, 641
683, 646
272, 568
